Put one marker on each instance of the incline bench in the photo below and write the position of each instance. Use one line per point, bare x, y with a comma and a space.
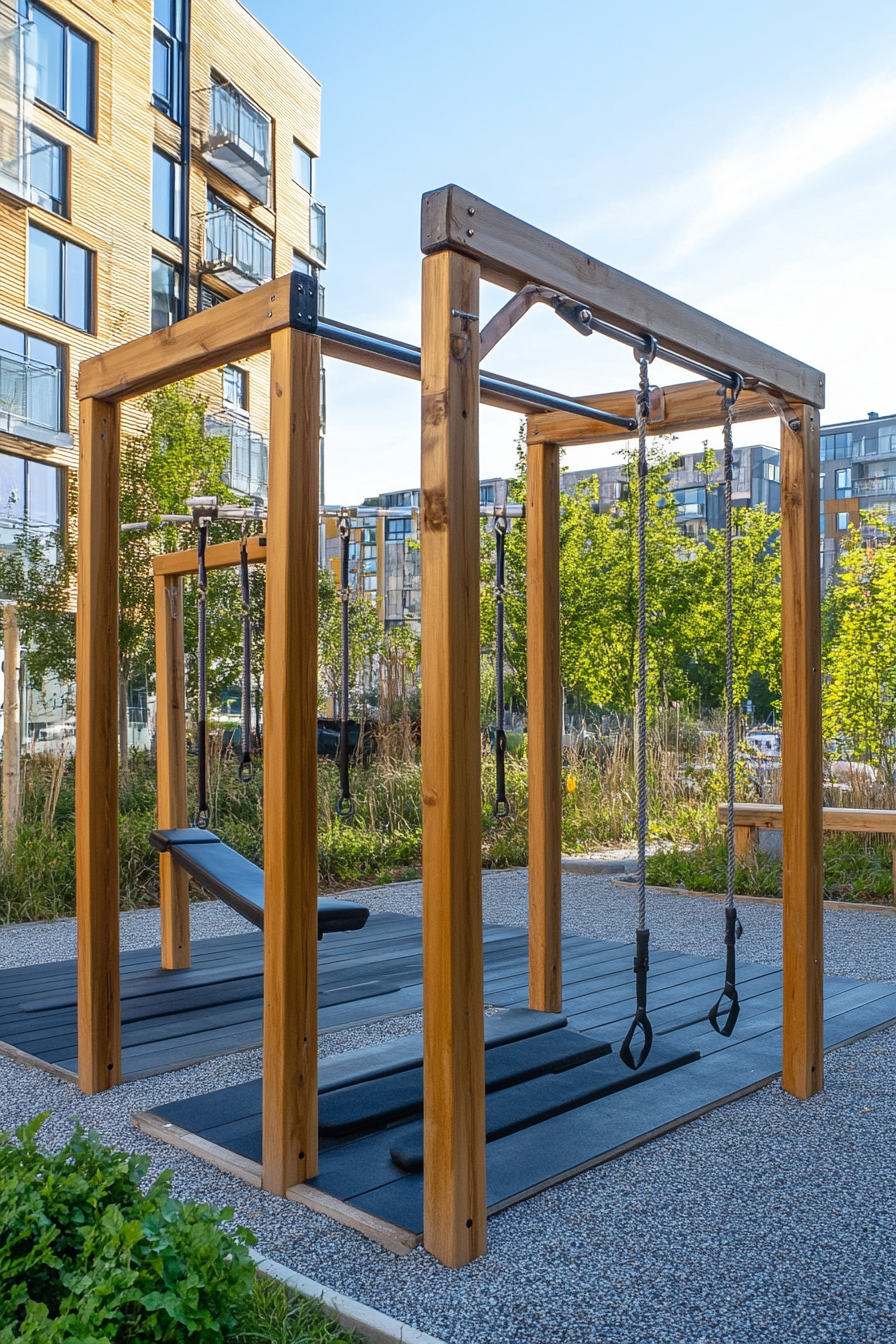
750, 818
223, 873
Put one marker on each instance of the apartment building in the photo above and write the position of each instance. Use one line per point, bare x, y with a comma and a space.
699, 507
858, 474
156, 157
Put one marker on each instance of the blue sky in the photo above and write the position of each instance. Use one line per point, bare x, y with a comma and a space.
742, 160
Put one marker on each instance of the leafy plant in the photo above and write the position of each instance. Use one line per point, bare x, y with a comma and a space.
88, 1255
273, 1316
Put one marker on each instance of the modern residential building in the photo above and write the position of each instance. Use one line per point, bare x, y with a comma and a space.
858, 474
757, 480
156, 157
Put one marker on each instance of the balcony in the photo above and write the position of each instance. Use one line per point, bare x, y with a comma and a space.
873, 487
317, 240
247, 470
237, 250
238, 142
31, 401
37, 176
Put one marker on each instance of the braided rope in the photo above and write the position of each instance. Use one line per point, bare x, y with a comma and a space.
643, 411
202, 809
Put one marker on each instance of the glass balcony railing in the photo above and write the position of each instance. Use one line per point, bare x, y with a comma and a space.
239, 140
873, 486
237, 250
317, 243
38, 175
30, 394
247, 470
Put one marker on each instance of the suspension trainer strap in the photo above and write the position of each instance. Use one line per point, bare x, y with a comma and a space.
245, 768
500, 807
641, 1021
201, 818
723, 1022
345, 808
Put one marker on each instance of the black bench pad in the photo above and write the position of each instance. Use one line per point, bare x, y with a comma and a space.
381, 1101
226, 875
516, 1108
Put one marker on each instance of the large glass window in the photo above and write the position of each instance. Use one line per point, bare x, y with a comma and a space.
302, 167
48, 172
165, 284
236, 388
62, 62
835, 445
166, 196
167, 56
843, 482
31, 379
399, 529
30, 497
318, 232
60, 278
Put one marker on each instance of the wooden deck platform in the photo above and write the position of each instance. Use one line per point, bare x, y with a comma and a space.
358, 1183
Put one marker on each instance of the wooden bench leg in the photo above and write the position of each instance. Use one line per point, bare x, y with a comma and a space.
746, 843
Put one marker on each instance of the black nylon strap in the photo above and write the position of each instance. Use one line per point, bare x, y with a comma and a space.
500, 807
724, 1022
640, 1021
201, 819
345, 808
245, 769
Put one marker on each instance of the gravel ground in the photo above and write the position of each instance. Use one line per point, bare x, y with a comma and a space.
767, 1220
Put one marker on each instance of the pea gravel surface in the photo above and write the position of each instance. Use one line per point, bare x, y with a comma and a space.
769, 1219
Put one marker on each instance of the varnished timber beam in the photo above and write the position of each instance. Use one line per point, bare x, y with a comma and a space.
695, 405
289, 1088
770, 817
226, 555
171, 766
544, 726
96, 760
454, 1208
801, 760
513, 253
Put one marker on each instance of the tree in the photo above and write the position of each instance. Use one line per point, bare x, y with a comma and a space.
38, 575
365, 635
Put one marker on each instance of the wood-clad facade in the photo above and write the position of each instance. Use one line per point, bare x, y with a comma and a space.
105, 192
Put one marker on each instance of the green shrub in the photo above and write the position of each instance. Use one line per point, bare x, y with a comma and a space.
272, 1315
87, 1255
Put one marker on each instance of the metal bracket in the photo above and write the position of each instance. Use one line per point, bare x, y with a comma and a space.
576, 314
782, 408
303, 301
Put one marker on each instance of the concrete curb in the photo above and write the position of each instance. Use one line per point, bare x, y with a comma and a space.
596, 865
760, 900
372, 1325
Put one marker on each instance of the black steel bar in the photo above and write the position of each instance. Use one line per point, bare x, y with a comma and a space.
643, 344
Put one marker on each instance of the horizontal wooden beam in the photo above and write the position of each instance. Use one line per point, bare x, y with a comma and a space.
695, 405
224, 556
240, 327
770, 817
512, 253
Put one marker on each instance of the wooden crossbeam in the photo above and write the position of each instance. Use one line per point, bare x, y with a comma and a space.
513, 253
695, 405
770, 817
223, 556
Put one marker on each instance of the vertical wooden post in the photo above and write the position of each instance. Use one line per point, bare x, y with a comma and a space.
746, 842
453, 1028
12, 724
289, 1146
544, 723
96, 757
801, 765
171, 766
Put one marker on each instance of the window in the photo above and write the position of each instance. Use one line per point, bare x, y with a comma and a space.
60, 279
30, 496
47, 172
304, 267
842, 522
821, 524
486, 494
236, 387
398, 529
167, 56
772, 471
843, 482
302, 167
317, 243
370, 583
620, 490
166, 198
209, 298
165, 286
835, 445
62, 62
31, 380
691, 503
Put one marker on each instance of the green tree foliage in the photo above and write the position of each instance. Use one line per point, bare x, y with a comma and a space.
38, 576
366, 637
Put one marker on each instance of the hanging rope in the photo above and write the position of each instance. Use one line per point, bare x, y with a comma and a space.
500, 807
641, 1022
201, 818
722, 1018
345, 808
245, 768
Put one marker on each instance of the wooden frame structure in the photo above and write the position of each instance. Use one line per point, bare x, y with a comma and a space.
464, 240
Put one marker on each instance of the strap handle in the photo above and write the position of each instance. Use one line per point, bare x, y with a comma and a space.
345, 807
246, 769
500, 807
724, 1021
202, 816
640, 1021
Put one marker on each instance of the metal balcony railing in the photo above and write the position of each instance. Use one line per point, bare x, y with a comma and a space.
247, 469
30, 394
238, 142
873, 486
237, 250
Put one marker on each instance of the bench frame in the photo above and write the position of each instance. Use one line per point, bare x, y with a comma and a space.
464, 239
751, 818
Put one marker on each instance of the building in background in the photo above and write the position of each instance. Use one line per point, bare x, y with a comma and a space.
858, 473
757, 480
156, 158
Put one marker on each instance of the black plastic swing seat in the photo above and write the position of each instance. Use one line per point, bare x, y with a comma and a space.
229, 877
